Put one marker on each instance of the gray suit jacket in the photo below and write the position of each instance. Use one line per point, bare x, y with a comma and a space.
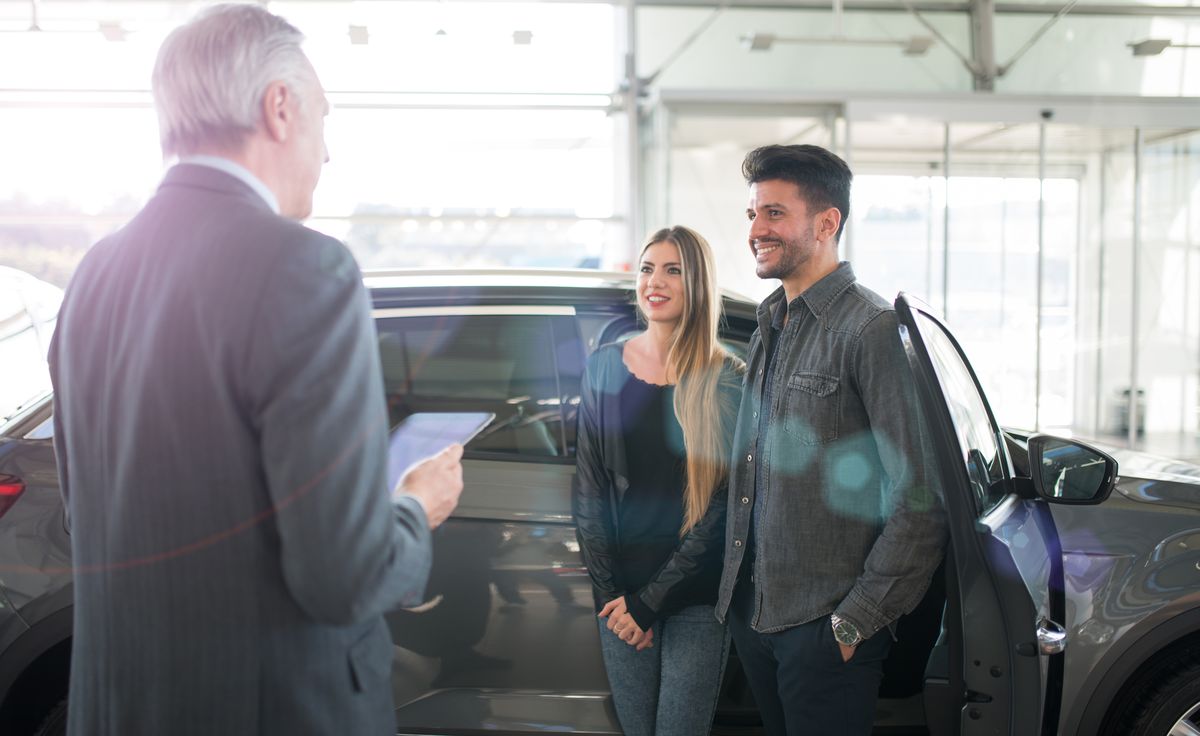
221, 439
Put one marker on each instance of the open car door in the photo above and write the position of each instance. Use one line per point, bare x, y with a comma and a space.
997, 668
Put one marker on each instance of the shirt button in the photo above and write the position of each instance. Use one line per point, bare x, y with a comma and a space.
749, 458
760, 371
737, 543
745, 500
756, 415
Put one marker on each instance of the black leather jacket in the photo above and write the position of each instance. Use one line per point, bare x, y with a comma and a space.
601, 479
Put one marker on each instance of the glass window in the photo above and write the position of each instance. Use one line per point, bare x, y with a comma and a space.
468, 133
898, 246
43, 431
394, 189
506, 364
977, 437
28, 312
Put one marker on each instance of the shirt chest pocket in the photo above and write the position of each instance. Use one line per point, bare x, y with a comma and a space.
811, 408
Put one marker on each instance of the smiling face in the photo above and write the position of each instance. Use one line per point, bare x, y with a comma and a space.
783, 234
660, 289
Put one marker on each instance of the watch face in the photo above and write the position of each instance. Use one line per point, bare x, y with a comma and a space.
846, 633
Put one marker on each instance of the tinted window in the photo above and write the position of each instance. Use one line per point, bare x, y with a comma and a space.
733, 340
977, 437
524, 368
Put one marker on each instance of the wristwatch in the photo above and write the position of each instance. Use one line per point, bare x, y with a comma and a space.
846, 633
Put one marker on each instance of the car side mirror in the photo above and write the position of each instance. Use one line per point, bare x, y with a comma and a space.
1065, 471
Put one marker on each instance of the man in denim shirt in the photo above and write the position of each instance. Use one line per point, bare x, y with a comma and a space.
835, 525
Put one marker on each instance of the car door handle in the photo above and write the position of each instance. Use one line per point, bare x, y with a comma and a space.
1051, 637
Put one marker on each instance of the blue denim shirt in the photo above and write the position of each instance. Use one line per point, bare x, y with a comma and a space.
849, 520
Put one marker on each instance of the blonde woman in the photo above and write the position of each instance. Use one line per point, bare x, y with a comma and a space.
655, 426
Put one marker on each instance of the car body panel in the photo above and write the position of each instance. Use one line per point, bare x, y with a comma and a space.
516, 491
508, 608
477, 711
1128, 571
35, 549
1126, 655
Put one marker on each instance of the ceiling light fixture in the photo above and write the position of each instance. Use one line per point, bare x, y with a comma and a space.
1155, 46
112, 30
522, 38
912, 46
359, 35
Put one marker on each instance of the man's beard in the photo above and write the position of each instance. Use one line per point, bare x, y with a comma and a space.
790, 257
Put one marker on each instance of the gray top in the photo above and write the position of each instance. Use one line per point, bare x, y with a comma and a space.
849, 519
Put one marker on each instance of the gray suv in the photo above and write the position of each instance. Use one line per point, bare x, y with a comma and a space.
1069, 601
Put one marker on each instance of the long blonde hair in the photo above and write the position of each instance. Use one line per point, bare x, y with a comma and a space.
695, 361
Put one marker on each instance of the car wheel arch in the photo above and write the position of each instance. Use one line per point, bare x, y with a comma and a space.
1108, 687
33, 658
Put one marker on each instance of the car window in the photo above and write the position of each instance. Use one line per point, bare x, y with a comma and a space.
978, 438
23, 356
522, 367
734, 342
43, 430
28, 312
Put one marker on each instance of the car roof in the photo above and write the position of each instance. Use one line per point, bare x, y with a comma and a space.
581, 287
578, 278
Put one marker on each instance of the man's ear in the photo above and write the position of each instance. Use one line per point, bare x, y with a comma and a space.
278, 111
827, 223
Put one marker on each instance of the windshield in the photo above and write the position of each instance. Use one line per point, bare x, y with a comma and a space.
28, 313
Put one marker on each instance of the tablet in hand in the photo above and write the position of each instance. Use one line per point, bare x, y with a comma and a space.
425, 434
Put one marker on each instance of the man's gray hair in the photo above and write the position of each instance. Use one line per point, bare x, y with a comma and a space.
211, 74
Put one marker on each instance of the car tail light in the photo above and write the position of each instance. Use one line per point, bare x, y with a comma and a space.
11, 488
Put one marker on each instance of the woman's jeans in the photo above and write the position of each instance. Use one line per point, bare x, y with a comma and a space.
671, 688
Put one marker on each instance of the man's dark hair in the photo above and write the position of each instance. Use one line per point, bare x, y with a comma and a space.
822, 177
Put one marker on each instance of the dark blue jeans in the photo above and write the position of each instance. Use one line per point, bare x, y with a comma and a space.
671, 688
800, 683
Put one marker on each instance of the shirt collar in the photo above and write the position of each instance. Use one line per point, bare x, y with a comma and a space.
239, 172
817, 297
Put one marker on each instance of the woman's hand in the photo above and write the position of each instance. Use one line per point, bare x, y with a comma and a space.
613, 608
629, 632
621, 623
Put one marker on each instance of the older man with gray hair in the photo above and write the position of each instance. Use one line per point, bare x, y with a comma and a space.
221, 429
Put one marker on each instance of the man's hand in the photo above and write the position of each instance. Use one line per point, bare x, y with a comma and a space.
847, 652
436, 483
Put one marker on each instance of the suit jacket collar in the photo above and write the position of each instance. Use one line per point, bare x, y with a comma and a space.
196, 176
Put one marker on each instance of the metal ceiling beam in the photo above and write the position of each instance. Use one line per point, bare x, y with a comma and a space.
936, 6
983, 45
882, 6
